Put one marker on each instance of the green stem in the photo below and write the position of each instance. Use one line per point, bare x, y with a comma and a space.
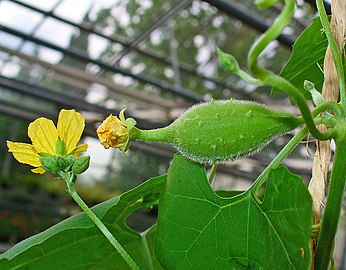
333, 207
246, 77
327, 121
281, 83
163, 135
334, 49
289, 147
272, 33
329, 106
212, 172
72, 191
268, 78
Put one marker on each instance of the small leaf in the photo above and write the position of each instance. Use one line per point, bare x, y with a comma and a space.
197, 229
77, 244
307, 57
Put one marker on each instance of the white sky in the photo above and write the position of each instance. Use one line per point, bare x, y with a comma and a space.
59, 33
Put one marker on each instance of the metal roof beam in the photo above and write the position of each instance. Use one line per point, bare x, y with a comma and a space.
87, 78
145, 51
158, 22
66, 100
83, 57
248, 18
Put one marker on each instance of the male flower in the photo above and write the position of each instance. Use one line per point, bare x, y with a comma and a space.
50, 141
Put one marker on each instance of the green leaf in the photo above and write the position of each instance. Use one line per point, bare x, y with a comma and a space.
198, 229
77, 244
307, 55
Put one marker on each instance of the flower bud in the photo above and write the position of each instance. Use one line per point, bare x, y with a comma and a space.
228, 62
115, 132
112, 132
316, 96
62, 163
263, 4
49, 163
81, 164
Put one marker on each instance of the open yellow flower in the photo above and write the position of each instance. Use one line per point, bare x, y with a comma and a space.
49, 140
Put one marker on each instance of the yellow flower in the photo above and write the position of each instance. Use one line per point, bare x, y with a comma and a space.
48, 140
115, 132
112, 132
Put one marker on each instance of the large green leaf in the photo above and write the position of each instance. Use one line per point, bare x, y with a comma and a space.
307, 55
77, 244
198, 229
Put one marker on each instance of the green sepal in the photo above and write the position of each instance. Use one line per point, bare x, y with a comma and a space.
62, 163
60, 147
81, 164
49, 163
129, 123
45, 155
70, 160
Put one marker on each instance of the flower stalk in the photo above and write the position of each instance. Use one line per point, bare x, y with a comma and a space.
70, 181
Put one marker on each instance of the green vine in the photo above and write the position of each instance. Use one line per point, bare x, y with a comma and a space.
289, 147
335, 51
268, 78
333, 207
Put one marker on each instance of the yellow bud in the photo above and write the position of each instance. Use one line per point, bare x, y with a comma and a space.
112, 132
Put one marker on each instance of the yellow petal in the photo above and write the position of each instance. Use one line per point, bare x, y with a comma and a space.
24, 153
80, 148
70, 127
39, 170
43, 135
112, 132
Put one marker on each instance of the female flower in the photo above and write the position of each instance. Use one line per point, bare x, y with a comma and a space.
50, 141
115, 132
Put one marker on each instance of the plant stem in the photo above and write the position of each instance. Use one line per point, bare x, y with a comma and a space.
268, 78
329, 106
289, 147
163, 135
72, 191
334, 49
333, 207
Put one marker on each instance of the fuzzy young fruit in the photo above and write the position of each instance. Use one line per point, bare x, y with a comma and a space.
222, 130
